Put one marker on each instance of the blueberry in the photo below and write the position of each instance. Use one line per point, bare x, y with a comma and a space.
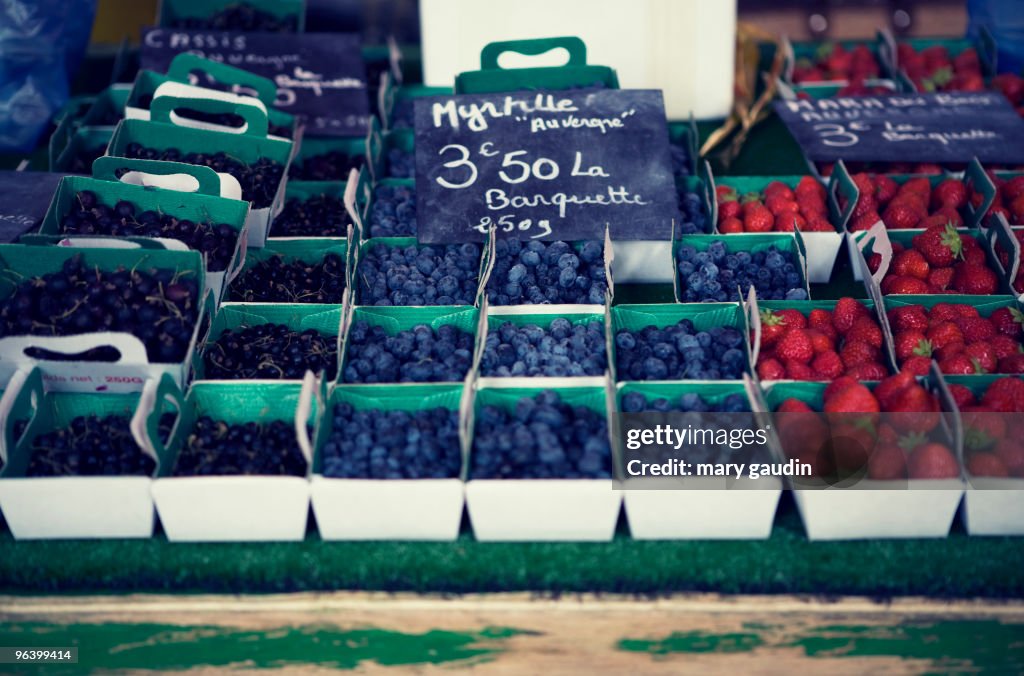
548, 273
394, 212
561, 350
385, 270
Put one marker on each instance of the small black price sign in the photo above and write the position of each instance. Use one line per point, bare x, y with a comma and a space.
544, 165
943, 127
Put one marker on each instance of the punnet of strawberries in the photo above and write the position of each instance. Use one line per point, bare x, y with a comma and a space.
1009, 199
922, 168
956, 335
912, 204
992, 447
777, 208
821, 345
889, 432
932, 69
938, 260
833, 61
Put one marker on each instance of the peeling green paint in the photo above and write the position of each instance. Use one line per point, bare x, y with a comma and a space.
161, 647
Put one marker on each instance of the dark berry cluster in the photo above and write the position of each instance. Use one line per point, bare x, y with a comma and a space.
715, 274
542, 438
401, 164
536, 272
394, 211
561, 350
694, 219
276, 281
680, 352
680, 157
81, 161
216, 447
89, 446
240, 16
691, 402
420, 355
217, 242
270, 351
420, 275
159, 307
259, 180
334, 165
381, 444
316, 216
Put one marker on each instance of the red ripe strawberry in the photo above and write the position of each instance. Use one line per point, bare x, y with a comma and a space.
874, 262
811, 205
794, 405
779, 203
828, 365
887, 390
982, 427
837, 386
856, 352
949, 215
821, 321
962, 395
1012, 455
788, 221
941, 246
972, 251
1017, 210
941, 334
909, 263
948, 350
976, 329
772, 327
725, 192
911, 343
868, 371
987, 464
796, 370
770, 369
941, 278
885, 189
1012, 188
1004, 346
855, 398
982, 356
888, 462
957, 364
867, 330
977, 280
818, 224
729, 209
730, 225
1011, 364
904, 285
846, 312
919, 366
793, 319
808, 185
916, 186
900, 216
820, 342
778, 188
1008, 321
950, 193
908, 317
864, 221
1005, 395
757, 218
795, 345
932, 461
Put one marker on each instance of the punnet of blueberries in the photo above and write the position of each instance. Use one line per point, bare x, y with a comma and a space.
278, 280
401, 163
679, 154
88, 216
694, 219
393, 213
314, 216
259, 180
333, 165
680, 352
396, 274
691, 402
89, 446
542, 437
240, 16
392, 444
560, 350
715, 274
159, 306
535, 273
270, 351
417, 355
216, 447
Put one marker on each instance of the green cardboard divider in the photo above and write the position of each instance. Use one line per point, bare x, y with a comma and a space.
255, 119
111, 100
80, 140
173, 10
106, 168
711, 392
28, 394
184, 64
408, 397
576, 73
74, 110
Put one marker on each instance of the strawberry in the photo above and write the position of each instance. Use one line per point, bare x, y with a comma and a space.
976, 329
828, 365
820, 342
808, 185
977, 280
900, 216
916, 186
788, 221
950, 215
957, 364
911, 343
885, 189
987, 464
982, 427
940, 334
932, 461
941, 246
798, 370
887, 463
855, 398
793, 405
867, 330
793, 319
1011, 364
1005, 395
757, 218
864, 221
972, 252
908, 317
1004, 346
821, 321
818, 224
868, 371
780, 203
1012, 454
982, 356
724, 192
1017, 210
910, 263
770, 369
887, 390
856, 352
919, 366
1012, 188
728, 209
846, 312
944, 312
941, 278
778, 189
730, 225
1008, 321
962, 395
904, 285
772, 328
950, 193
795, 345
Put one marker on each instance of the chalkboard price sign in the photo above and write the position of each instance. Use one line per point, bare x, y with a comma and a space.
943, 127
544, 165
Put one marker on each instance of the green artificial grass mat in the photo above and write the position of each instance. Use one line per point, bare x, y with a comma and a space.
955, 567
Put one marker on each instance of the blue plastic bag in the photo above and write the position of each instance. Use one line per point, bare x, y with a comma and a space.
41, 46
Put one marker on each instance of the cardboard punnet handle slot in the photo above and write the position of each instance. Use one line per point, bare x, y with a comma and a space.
256, 121
130, 348
184, 64
576, 48
1000, 234
978, 181
303, 410
208, 181
23, 396
145, 424
840, 184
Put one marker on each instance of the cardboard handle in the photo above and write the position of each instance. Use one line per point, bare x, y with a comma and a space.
145, 423
882, 246
374, 149
310, 386
184, 64
243, 250
130, 348
576, 47
350, 200
24, 393
155, 173
753, 314
256, 122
